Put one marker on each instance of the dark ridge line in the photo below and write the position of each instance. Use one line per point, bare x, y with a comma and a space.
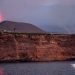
34, 33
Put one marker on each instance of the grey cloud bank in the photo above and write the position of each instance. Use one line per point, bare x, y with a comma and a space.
50, 15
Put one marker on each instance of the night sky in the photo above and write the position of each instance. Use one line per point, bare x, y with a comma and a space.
50, 15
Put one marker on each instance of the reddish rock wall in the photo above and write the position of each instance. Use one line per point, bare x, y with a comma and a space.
36, 47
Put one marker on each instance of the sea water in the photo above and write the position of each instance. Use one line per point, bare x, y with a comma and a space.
44, 68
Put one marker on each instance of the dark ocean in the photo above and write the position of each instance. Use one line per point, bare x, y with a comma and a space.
44, 68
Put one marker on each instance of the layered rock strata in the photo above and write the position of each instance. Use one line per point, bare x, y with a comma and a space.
36, 46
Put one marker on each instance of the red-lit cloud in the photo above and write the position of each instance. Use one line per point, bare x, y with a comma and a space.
1, 17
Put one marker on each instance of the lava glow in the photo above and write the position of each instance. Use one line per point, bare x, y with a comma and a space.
1, 18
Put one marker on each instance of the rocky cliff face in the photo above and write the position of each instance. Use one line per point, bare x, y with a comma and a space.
36, 47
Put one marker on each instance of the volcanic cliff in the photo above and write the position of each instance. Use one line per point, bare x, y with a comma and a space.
36, 46
24, 41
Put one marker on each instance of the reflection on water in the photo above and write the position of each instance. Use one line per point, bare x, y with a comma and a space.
50, 68
73, 65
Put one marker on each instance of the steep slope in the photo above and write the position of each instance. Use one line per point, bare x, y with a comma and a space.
19, 27
36, 47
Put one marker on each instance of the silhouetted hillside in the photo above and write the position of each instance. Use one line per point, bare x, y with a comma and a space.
19, 27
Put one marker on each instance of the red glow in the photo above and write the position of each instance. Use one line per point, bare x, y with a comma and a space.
1, 18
